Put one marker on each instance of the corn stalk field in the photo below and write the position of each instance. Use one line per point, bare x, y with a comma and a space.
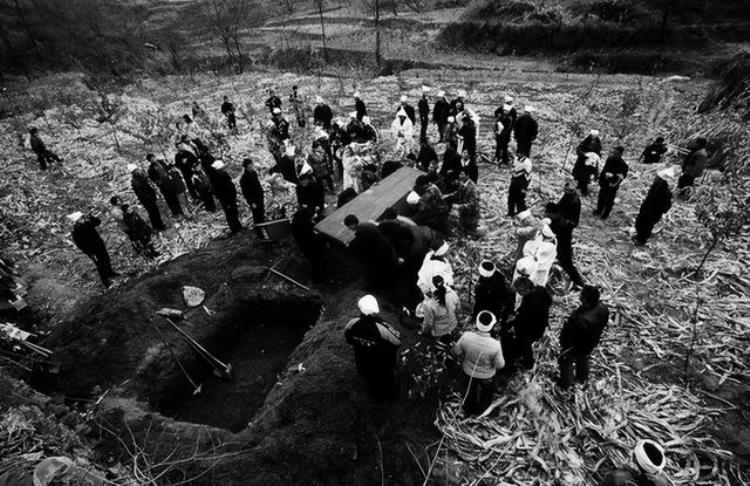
532, 431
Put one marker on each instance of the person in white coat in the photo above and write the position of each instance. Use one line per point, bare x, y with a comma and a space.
402, 130
435, 263
543, 249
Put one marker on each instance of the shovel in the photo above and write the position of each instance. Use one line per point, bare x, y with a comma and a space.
197, 388
222, 368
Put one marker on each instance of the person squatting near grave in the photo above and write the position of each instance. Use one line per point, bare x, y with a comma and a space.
579, 337
649, 460
87, 239
375, 345
43, 155
481, 356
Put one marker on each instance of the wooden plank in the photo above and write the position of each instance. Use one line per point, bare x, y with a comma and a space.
370, 204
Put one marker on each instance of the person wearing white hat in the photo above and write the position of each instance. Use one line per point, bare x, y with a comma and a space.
530, 322
407, 108
402, 130
375, 345
481, 357
273, 102
525, 131
310, 191
435, 262
492, 293
589, 153
226, 193
440, 113
412, 198
657, 203
424, 113
322, 113
86, 237
543, 249
519, 183
146, 195
280, 125
505, 121
650, 461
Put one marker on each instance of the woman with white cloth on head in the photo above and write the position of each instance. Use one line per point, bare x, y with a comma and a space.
435, 263
543, 249
402, 130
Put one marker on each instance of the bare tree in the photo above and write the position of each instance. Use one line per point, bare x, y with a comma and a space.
227, 18
322, 29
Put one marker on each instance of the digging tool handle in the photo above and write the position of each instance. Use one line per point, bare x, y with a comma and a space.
290, 279
174, 356
215, 361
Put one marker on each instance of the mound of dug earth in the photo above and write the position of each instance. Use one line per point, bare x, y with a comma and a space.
294, 412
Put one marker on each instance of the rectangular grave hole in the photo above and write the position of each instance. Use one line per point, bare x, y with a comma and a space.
258, 344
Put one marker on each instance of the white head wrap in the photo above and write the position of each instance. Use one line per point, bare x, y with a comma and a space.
218, 164
403, 99
524, 215
529, 108
425, 89
290, 150
483, 315
451, 119
442, 250
366, 120
594, 133
508, 99
368, 305
277, 111
356, 94
441, 93
412, 198
319, 99
650, 463
75, 216
486, 268
132, 167
507, 107
306, 169
352, 114
461, 93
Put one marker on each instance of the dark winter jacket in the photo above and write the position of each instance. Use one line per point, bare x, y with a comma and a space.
399, 235
426, 155
441, 112
583, 329
507, 119
224, 189
135, 227
142, 188
526, 128
373, 247
569, 207
310, 193
659, 198
85, 235
424, 110
695, 163
37, 145
273, 102
653, 153
375, 345
227, 108
589, 144
532, 317
360, 108
616, 166
322, 115
285, 167
492, 294
251, 188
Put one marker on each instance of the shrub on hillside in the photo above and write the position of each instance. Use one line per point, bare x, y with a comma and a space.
732, 89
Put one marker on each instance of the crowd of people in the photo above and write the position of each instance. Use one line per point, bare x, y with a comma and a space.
408, 249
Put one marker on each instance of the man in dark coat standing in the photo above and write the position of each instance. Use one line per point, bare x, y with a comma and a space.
525, 131
580, 335
563, 228
185, 160
440, 114
303, 231
375, 346
359, 106
376, 251
227, 109
569, 204
43, 155
656, 204
584, 169
168, 181
87, 239
468, 131
505, 119
146, 195
322, 114
273, 101
614, 172
694, 164
226, 193
424, 113
286, 166
253, 191
529, 323
492, 293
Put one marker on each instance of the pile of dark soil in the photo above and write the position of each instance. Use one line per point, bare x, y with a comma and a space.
316, 425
